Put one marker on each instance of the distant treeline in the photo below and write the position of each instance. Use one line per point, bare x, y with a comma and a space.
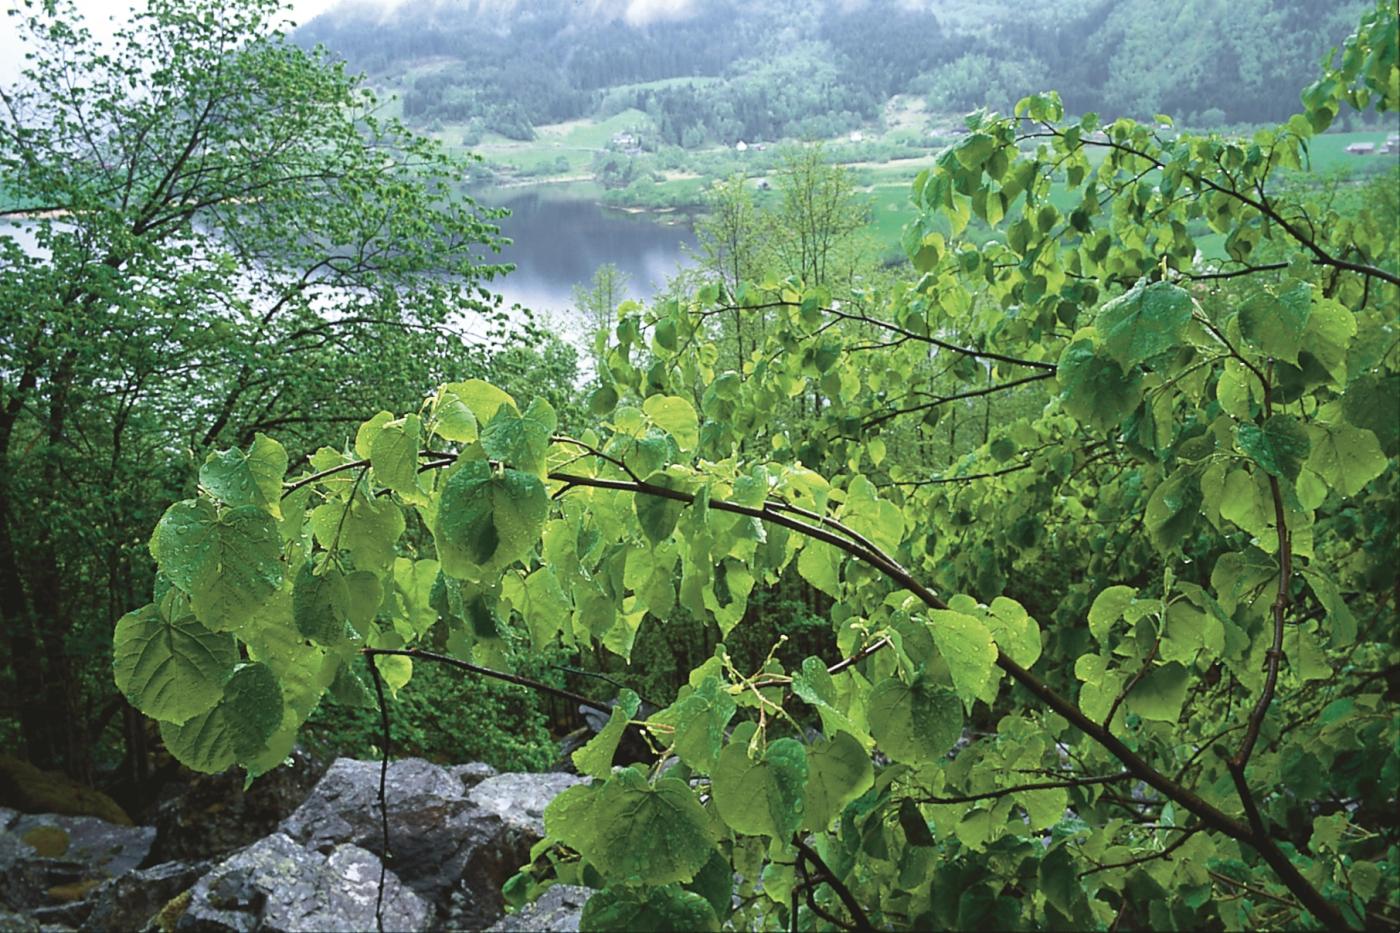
765, 69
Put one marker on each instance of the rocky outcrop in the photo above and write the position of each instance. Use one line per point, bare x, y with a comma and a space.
456, 834
130, 901
210, 815
557, 910
277, 884
50, 864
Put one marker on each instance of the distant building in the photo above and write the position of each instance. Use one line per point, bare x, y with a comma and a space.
1392, 143
1361, 148
857, 136
741, 146
629, 143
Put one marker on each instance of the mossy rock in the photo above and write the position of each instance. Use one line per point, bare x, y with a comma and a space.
75, 891
25, 788
168, 916
47, 841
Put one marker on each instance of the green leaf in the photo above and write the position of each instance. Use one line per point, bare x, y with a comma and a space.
321, 604
632, 831
1341, 623
676, 417
1373, 402
1144, 322
238, 729
252, 709
227, 562
1108, 608
1045, 808
521, 441
202, 743
1346, 457
820, 565
666, 909
1331, 328
603, 400
1279, 447
665, 334
1159, 695
170, 670
595, 757
865, 513
1014, 631
1174, 509
252, 478
914, 823
914, 723
974, 150
487, 517
547, 609
658, 514
1275, 324
815, 686
366, 526
838, 772
366, 433
453, 419
760, 796
394, 454
1094, 388
482, 398
967, 646
698, 720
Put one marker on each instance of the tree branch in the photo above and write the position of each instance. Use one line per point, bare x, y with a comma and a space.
862, 921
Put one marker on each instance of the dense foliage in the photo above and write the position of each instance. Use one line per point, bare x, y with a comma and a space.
1128, 662
725, 70
207, 233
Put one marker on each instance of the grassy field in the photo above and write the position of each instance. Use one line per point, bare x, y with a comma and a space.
566, 152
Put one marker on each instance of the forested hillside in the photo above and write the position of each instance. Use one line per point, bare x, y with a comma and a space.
1042, 577
725, 70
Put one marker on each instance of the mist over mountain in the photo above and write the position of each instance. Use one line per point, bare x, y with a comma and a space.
721, 70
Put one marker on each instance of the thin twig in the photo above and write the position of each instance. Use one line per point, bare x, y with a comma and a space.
1022, 788
862, 921
578, 698
383, 782
1166, 853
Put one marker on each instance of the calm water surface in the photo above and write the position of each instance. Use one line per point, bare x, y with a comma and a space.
559, 241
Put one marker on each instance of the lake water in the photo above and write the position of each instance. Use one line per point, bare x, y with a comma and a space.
559, 241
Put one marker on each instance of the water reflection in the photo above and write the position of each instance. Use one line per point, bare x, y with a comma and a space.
560, 241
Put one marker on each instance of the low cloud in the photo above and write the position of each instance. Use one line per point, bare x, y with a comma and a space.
644, 12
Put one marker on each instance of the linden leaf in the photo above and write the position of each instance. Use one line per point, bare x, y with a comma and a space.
914, 723
170, 670
967, 647
760, 796
252, 478
633, 831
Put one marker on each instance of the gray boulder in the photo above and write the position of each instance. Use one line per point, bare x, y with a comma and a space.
455, 834
131, 900
205, 816
278, 885
50, 864
472, 773
557, 910
520, 799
